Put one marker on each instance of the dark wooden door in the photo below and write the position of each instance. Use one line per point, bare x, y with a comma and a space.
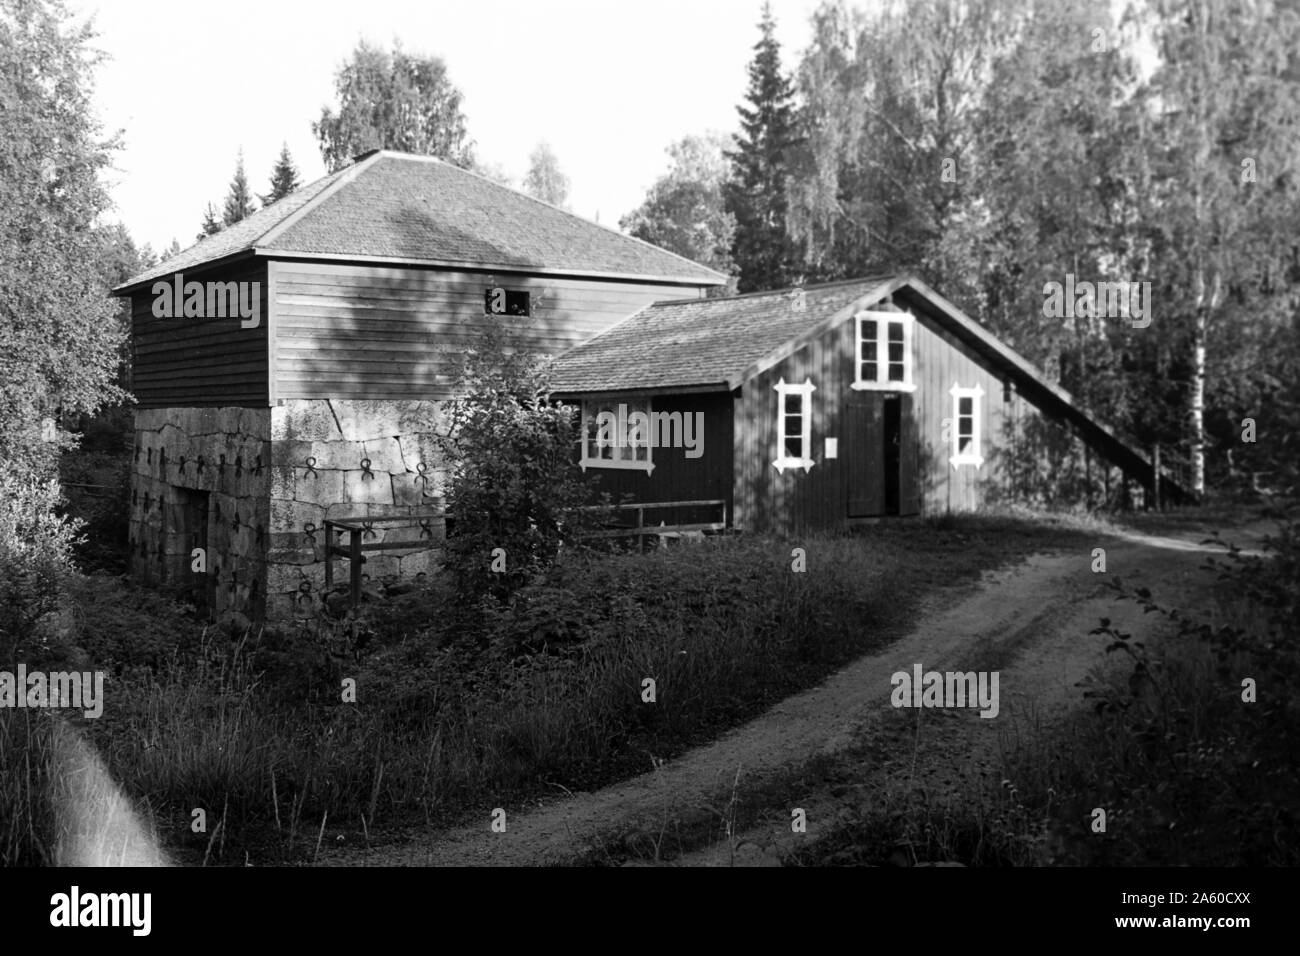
892, 435
865, 435
882, 454
909, 474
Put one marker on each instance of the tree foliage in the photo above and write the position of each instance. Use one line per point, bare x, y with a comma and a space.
514, 487
685, 211
545, 179
397, 101
755, 192
59, 338
239, 198
284, 177
994, 146
211, 224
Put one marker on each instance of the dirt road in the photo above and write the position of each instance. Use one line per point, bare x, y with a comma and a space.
1030, 622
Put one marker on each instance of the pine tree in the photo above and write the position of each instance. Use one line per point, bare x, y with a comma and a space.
211, 225
755, 194
239, 201
284, 178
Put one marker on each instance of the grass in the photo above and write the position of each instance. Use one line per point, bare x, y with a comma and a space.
456, 713
1187, 771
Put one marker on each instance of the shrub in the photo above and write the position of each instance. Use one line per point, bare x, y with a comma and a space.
35, 554
513, 482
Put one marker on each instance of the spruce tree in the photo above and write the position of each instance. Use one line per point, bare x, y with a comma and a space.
211, 225
239, 201
284, 177
755, 194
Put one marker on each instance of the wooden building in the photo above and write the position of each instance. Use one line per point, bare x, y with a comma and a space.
820, 407
290, 369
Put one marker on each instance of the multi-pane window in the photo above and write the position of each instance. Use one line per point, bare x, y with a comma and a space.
967, 412
794, 425
616, 434
883, 354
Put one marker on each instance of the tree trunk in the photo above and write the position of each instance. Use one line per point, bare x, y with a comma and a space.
1155, 477
1198, 404
1206, 302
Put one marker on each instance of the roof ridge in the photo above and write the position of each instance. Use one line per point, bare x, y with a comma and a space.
344, 176
568, 212
875, 279
320, 213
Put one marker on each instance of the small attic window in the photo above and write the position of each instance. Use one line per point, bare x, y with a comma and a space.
366, 155
499, 301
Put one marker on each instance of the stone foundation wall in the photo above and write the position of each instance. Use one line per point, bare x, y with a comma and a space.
256, 485
342, 459
201, 477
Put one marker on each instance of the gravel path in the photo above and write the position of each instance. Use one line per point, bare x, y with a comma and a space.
1033, 618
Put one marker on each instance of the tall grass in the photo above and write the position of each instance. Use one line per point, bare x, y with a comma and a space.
1187, 771
456, 711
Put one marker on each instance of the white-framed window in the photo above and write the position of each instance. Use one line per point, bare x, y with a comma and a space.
794, 425
967, 425
882, 355
616, 434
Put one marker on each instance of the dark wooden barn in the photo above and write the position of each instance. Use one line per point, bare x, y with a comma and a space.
820, 407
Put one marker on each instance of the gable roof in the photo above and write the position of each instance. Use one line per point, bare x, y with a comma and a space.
694, 342
721, 343
418, 210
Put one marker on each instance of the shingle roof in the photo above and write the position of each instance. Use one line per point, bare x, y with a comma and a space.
692, 342
241, 236
417, 209
720, 342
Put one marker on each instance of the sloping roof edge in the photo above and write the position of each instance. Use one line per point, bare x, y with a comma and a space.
1044, 392
887, 287
263, 243
1120, 449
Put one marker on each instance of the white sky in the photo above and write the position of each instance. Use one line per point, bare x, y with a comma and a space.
609, 84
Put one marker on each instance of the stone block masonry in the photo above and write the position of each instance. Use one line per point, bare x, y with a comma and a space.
200, 479
339, 459
254, 486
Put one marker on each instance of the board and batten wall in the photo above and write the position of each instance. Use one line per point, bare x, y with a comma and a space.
796, 500
676, 476
201, 363
364, 332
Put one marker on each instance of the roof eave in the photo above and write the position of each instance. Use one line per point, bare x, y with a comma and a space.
885, 288
679, 388
289, 254
133, 285
1026, 371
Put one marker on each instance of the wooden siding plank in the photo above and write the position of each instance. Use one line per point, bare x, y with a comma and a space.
344, 330
201, 362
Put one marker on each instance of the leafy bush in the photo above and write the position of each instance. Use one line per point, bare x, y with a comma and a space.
515, 491
35, 555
